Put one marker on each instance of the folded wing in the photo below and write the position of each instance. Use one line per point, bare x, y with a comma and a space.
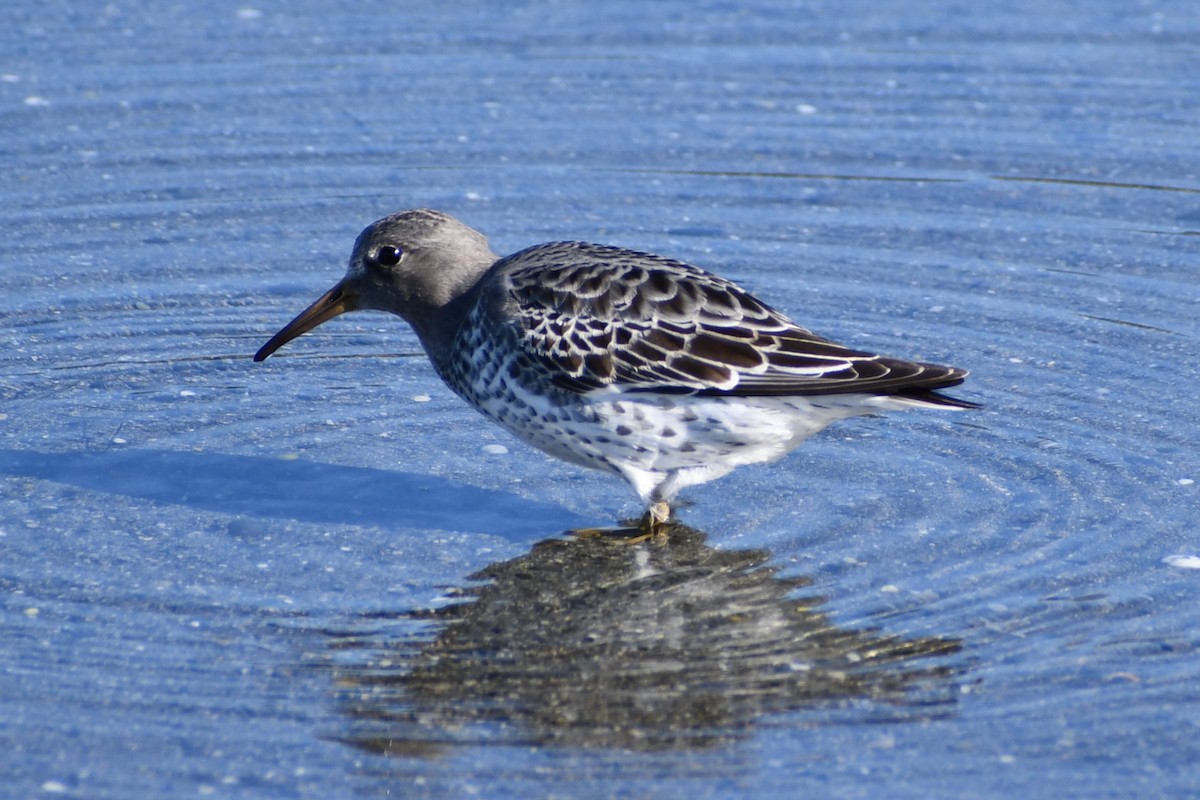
599, 317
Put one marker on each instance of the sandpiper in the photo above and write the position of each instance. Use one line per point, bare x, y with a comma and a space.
632, 363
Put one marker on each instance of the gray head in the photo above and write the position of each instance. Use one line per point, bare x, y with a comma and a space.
414, 264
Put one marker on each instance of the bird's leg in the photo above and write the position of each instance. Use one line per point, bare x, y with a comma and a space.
654, 521
651, 525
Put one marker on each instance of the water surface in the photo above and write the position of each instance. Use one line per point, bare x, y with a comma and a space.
319, 576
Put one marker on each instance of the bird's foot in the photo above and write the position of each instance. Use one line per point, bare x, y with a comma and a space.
658, 513
652, 525
616, 532
632, 533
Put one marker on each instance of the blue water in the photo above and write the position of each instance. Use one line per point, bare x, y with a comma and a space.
319, 577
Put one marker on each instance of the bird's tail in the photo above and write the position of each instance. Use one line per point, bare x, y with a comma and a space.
931, 399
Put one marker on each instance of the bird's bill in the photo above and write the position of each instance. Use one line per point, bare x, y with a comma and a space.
337, 300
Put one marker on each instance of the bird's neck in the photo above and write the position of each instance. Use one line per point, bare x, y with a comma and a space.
437, 327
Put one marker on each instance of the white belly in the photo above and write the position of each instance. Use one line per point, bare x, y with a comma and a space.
661, 444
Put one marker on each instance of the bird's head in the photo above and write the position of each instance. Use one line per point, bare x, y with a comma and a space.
412, 264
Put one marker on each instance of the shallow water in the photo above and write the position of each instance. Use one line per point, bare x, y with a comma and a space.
325, 576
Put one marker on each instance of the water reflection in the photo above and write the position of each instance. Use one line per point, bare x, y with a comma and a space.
655, 645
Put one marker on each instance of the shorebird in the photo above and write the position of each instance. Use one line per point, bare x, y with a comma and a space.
653, 369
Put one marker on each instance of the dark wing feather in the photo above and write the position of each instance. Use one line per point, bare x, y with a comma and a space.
598, 317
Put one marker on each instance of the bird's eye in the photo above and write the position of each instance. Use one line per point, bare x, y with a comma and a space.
388, 255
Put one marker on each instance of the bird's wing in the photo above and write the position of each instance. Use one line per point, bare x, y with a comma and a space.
599, 317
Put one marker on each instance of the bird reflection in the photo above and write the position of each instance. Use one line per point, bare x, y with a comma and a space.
662, 644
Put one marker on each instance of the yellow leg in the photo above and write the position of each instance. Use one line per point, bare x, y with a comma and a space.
652, 525
654, 522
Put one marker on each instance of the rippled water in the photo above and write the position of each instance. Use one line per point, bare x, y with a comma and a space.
591, 643
320, 576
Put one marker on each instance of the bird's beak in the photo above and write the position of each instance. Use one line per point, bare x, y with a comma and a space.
338, 300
